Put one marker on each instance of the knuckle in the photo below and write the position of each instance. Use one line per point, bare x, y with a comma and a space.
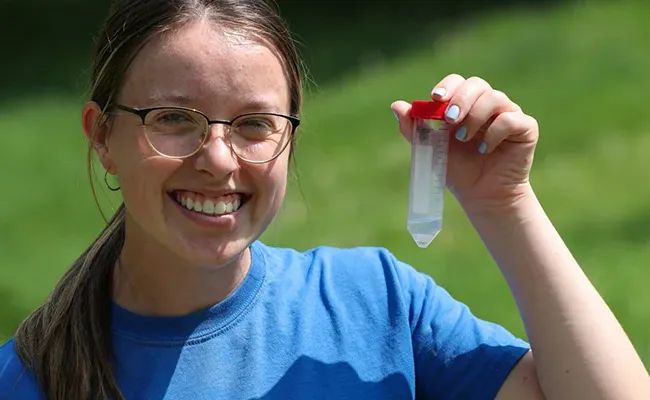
462, 95
506, 102
451, 82
519, 122
471, 88
478, 82
500, 96
455, 77
532, 123
509, 120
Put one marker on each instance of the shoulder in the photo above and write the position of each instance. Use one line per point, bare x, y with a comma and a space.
16, 382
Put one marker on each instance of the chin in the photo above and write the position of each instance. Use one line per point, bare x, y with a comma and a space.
216, 240
213, 252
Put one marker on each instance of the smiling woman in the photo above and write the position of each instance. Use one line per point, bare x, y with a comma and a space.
229, 76
195, 106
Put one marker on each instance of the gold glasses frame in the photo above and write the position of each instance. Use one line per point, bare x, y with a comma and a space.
143, 112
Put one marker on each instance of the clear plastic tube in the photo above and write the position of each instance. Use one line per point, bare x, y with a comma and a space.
429, 148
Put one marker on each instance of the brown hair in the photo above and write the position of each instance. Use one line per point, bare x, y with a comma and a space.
66, 342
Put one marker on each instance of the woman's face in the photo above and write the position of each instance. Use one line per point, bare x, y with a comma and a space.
223, 75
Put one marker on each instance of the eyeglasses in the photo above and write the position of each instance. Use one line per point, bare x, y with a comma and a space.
180, 132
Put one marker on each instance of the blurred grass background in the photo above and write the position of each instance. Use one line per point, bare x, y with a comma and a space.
580, 68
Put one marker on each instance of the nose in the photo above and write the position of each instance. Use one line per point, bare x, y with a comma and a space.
216, 157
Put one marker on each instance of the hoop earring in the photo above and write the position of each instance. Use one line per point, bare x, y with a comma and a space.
112, 189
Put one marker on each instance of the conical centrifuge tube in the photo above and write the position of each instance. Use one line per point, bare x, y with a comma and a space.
429, 147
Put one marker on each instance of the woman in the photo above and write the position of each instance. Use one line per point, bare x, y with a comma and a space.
194, 108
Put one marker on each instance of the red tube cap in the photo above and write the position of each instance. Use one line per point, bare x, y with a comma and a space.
428, 109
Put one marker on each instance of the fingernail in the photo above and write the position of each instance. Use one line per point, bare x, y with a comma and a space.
482, 148
453, 112
439, 92
396, 115
461, 133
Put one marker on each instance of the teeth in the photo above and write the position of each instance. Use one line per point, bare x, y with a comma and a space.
220, 208
196, 203
208, 207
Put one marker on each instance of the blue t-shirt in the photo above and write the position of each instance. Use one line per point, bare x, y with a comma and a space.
322, 324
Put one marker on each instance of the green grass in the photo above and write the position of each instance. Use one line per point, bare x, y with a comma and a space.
581, 70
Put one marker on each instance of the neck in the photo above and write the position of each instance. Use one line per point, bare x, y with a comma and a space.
151, 280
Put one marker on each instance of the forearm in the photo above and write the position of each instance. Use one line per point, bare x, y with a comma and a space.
580, 349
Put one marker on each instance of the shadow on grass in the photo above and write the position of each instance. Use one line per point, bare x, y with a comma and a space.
47, 45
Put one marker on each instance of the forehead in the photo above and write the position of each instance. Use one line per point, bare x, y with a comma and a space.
200, 65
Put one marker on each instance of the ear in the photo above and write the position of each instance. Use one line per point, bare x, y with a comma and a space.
96, 129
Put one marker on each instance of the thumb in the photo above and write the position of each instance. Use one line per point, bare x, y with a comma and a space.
401, 110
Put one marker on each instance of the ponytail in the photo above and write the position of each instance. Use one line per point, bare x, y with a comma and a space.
66, 342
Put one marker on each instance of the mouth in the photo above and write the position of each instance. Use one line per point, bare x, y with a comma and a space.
211, 206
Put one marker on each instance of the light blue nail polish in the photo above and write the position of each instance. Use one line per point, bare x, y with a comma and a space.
482, 148
453, 112
396, 115
440, 92
461, 133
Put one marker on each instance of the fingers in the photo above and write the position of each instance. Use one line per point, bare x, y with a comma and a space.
447, 87
490, 104
475, 108
401, 110
460, 93
462, 99
514, 126
475, 111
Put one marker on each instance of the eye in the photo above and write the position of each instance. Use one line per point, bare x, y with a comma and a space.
255, 127
175, 122
258, 123
174, 117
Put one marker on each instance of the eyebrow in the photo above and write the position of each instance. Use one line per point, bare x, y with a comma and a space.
178, 98
259, 104
255, 104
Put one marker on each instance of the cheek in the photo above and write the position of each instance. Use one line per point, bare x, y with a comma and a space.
277, 176
148, 176
141, 171
271, 183
127, 148
143, 189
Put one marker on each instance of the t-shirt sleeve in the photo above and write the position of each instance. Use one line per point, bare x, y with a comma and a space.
16, 382
457, 355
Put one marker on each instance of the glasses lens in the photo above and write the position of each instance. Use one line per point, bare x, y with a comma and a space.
260, 137
175, 132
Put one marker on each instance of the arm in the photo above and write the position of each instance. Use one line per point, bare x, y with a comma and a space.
580, 349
